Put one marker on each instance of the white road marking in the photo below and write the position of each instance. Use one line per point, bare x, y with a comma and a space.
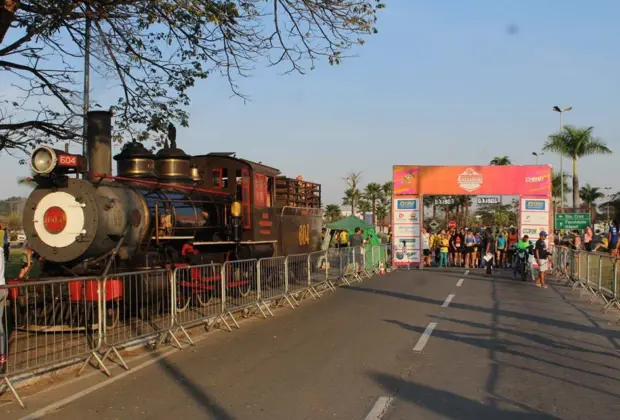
425, 336
467, 272
379, 409
448, 300
460, 282
40, 413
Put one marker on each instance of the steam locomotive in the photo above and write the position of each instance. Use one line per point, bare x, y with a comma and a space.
157, 207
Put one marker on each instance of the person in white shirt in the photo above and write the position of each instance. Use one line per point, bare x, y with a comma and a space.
3, 295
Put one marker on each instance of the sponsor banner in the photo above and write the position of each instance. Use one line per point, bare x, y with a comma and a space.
535, 218
406, 217
533, 231
409, 204
473, 180
409, 243
535, 204
406, 256
406, 231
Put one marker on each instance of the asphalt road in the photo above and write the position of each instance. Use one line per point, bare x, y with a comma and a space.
498, 349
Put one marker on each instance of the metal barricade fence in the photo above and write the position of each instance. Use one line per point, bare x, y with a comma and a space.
593, 272
335, 267
319, 271
240, 288
273, 280
136, 305
197, 296
43, 323
299, 277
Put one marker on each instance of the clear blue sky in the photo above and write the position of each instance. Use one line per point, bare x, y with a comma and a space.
444, 82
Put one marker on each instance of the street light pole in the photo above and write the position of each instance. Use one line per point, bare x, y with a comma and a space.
561, 111
607, 189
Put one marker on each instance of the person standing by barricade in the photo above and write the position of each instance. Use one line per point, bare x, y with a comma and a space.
3, 325
356, 242
4, 237
541, 254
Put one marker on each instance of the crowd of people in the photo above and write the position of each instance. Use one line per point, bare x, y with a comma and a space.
484, 248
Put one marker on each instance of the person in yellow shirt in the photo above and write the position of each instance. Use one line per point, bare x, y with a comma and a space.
443, 250
344, 239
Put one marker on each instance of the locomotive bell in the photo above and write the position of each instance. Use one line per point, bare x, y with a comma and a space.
195, 173
135, 161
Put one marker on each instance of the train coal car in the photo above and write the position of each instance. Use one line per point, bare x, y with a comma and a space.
161, 211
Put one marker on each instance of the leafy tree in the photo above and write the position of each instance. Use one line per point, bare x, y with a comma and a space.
589, 195
501, 161
155, 51
373, 193
332, 212
556, 185
364, 206
382, 213
575, 143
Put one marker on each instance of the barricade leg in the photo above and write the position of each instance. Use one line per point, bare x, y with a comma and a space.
9, 385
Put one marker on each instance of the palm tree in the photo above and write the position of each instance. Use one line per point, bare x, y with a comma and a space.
353, 180
373, 193
500, 161
332, 212
575, 143
556, 185
364, 207
589, 195
382, 212
350, 198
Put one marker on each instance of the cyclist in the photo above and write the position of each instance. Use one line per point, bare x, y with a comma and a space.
523, 244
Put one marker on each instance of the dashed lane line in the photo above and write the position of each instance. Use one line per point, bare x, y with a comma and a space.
425, 336
466, 272
378, 410
448, 300
460, 282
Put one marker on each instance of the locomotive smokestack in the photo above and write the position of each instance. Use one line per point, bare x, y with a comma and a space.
99, 143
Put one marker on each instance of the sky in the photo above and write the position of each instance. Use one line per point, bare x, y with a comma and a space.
446, 82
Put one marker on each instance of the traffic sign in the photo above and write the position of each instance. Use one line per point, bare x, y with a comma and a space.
433, 224
452, 224
572, 221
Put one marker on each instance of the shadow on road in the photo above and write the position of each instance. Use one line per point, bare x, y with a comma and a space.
609, 334
450, 405
200, 397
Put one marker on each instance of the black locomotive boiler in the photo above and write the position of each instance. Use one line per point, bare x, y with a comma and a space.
84, 220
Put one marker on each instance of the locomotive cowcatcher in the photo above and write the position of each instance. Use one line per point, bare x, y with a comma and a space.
162, 210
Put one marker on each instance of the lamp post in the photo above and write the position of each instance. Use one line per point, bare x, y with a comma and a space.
537, 155
561, 111
607, 195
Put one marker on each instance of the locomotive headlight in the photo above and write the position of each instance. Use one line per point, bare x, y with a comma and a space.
43, 160
235, 209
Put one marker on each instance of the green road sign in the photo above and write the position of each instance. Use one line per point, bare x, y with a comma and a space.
572, 221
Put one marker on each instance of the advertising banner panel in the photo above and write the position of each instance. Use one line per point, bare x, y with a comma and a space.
534, 217
472, 180
406, 217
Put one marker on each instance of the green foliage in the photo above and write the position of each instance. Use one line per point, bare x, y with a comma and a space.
501, 160
575, 143
333, 213
155, 51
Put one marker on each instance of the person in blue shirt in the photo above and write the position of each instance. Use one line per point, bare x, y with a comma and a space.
612, 238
